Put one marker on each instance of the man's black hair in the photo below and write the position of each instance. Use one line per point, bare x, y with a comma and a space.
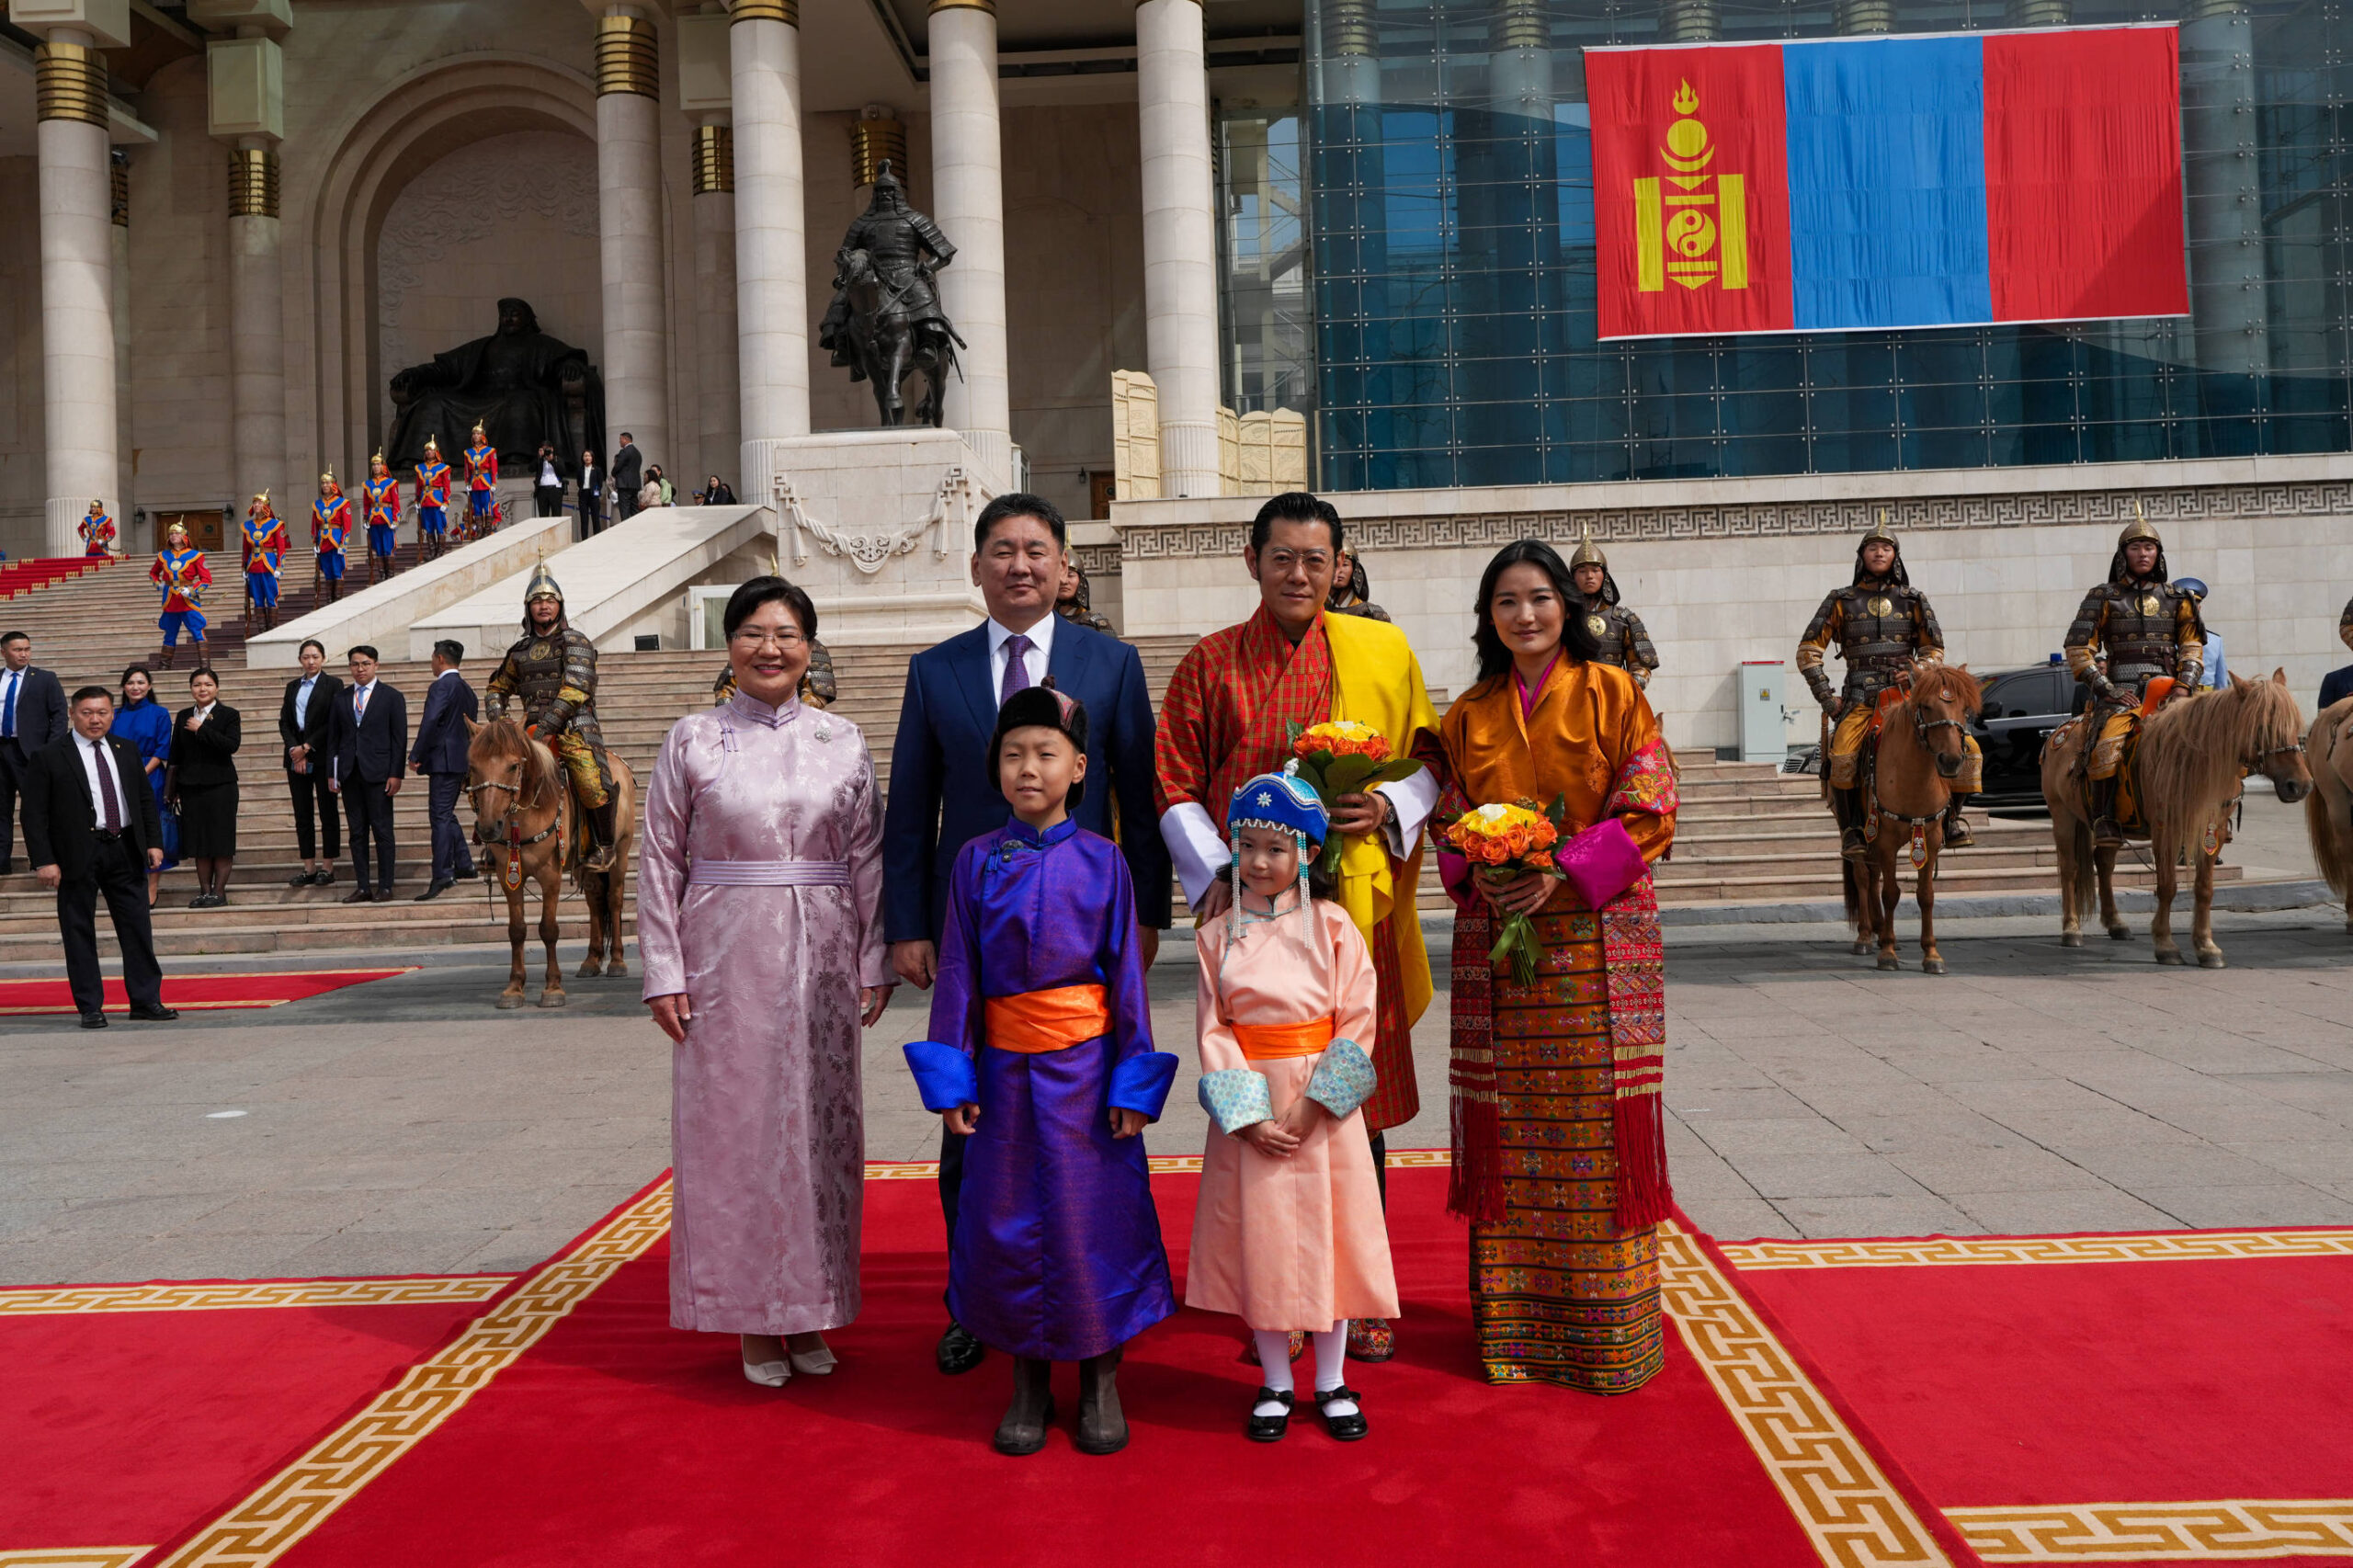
1296, 506
1019, 503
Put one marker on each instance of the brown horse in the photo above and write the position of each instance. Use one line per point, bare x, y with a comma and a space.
525, 819
2189, 768
1920, 757
2328, 809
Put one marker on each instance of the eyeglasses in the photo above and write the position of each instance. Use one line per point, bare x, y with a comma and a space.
751, 638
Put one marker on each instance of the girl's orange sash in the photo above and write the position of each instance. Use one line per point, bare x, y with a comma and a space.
1038, 1021
1268, 1043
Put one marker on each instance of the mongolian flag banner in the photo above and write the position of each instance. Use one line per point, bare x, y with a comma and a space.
1894, 181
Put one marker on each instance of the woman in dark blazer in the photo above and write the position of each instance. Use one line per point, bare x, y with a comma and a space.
203, 782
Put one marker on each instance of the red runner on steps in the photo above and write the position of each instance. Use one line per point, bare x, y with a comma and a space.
196, 991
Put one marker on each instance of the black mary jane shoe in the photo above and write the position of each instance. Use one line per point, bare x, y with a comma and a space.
1268, 1429
1344, 1428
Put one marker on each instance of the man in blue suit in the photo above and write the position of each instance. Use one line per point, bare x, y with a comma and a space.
450, 709
943, 781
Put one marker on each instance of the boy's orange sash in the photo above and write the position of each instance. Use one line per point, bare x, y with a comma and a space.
1268, 1043
1039, 1021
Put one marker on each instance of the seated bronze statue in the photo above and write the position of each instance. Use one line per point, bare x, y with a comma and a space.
522, 385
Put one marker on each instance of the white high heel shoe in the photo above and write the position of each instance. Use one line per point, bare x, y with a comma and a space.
767, 1374
817, 1363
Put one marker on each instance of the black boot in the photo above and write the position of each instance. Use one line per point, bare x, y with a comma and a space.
1102, 1425
1957, 834
2106, 834
1023, 1430
1846, 805
603, 834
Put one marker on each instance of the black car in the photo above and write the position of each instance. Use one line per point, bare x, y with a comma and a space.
2022, 706
2021, 709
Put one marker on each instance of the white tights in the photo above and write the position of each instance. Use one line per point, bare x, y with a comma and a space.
1331, 1366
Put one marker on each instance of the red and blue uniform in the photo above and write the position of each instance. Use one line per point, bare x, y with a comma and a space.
481, 478
330, 527
432, 495
97, 532
183, 576
383, 499
266, 547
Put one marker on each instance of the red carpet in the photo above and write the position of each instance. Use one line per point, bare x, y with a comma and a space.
129, 1413
593, 1433
23, 576
2202, 1374
196, 991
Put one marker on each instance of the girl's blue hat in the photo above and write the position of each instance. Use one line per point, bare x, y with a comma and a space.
1282, 801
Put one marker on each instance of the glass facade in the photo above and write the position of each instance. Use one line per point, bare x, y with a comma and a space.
1448, 186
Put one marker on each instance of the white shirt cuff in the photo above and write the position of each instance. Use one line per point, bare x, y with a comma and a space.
1414, 799
1194, 848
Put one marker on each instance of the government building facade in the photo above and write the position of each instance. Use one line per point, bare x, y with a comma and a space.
1202, 250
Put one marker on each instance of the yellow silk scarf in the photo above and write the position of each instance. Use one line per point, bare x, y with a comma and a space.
1376, 680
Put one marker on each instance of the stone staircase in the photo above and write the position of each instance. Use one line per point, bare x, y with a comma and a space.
1746, 832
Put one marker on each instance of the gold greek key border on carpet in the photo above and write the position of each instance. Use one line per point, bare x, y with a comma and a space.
237, 1295
2187, 1246
76, 1557
295, 1501
1834, 1488
2233, 1528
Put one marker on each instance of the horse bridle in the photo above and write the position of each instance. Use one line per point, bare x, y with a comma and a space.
473, 794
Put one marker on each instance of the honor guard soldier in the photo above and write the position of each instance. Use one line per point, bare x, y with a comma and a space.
2132, 629
97, 531
552, 670
1883, 626
1618, 629
1351, 589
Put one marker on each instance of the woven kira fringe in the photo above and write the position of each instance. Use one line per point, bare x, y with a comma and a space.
1644, 1195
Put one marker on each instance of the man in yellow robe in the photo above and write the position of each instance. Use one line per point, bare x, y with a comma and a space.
1227, 718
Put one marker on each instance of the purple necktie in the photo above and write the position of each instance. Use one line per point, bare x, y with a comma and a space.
106, 791
1016, 669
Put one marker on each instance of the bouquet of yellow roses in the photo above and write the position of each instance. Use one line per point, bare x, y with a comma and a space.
1343, 757
1503, 843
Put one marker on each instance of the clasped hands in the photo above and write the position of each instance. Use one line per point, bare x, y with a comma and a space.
1278, 1137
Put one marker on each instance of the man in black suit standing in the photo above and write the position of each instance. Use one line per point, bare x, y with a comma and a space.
440, 754
91, 828
369, 747
303, 719
32, 714
629, 477
592, 495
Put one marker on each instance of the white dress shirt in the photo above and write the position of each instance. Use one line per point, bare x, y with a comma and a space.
96, 755
548, 478
1042, 651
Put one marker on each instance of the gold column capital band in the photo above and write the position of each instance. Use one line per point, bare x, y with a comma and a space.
1348, 28
70, 82
626, 61
988, 6
714, 159
785, 11
253, 182
871, 143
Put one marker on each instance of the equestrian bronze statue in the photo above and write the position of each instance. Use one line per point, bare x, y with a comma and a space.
885, 322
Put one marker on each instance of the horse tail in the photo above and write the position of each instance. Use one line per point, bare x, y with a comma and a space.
2326, 852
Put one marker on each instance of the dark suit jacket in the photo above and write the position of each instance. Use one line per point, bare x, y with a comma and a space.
943, 781
40, 709
207, 755
629, 470
59, 815
442, 734
317, 719
592, 486
2335, 686
373, 749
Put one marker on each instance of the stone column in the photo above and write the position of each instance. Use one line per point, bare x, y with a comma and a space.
1180, 241
772, 267
629, 218
719, 383
119, 205
968, 202
76, 285
257, 328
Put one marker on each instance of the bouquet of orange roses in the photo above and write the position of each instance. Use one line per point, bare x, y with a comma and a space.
1345, 757
1503, 843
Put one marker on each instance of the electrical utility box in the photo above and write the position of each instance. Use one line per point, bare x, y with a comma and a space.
1763, 727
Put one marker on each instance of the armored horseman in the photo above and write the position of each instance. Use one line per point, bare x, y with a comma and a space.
2133, 630
905, 249
552, 671
1619, 631
1881, 626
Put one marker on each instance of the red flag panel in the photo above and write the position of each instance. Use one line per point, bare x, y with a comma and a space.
1690, 189
2083, 173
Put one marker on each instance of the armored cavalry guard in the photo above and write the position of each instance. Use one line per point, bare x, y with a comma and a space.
1619, 631
552, 671
1881, 626
2132, 630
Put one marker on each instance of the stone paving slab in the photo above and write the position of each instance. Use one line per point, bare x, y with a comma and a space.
407, 1126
